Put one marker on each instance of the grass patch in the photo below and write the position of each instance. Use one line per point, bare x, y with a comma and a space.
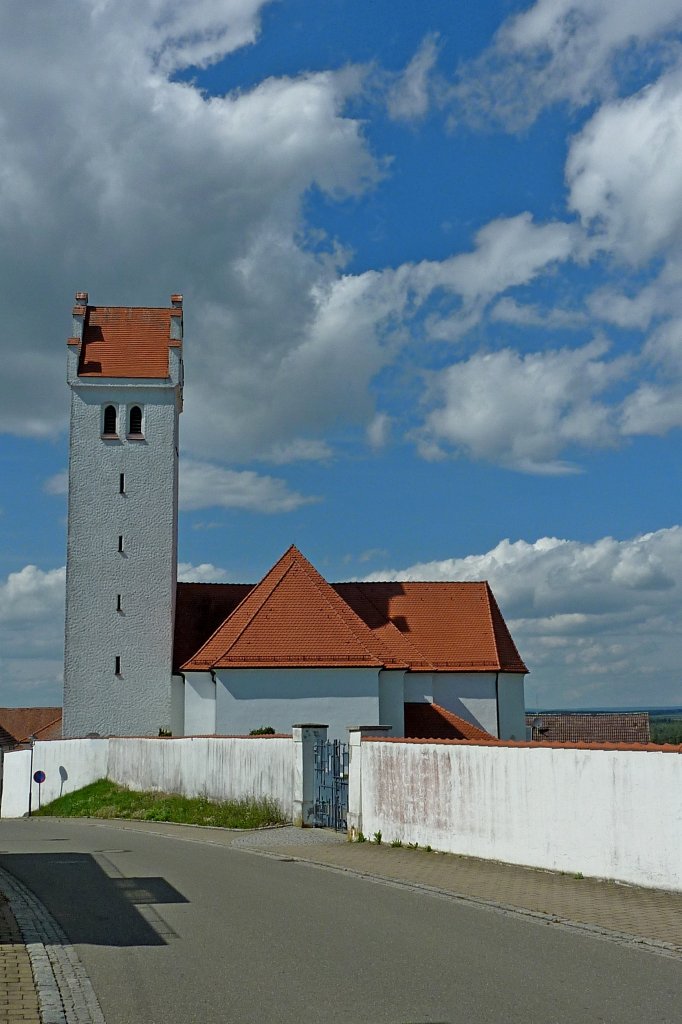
104, 799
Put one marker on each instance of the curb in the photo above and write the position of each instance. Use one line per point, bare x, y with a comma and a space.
65, 993
655, 946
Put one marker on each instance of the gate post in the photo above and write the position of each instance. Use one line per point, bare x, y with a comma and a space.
355, 734
305, 737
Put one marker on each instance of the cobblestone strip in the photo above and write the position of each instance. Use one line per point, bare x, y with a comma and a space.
65, 993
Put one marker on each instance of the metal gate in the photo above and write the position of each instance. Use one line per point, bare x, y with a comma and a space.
331, 784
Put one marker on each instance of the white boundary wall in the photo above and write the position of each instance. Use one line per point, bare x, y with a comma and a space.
606, 813
220, 768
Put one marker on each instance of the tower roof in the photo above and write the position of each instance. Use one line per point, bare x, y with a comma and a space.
126, 341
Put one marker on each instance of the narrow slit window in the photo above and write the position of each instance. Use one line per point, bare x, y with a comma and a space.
117, 665
119, 603
110, 420
122, 483
135, 421
120, 542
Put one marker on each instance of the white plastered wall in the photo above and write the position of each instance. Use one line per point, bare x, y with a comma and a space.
391, 700
200, 704
138, 701
471, 695
249, 698
511, 706
68, 765
606, 813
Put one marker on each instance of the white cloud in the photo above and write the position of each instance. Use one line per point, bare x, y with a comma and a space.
655, 407
624, 171
509, 311
509, 251
31, 594
204, 485
87, 201
58, 483
563, 50
410, 95
203, 573
521, 411
597, 623
300, 450
379, 431
32, 636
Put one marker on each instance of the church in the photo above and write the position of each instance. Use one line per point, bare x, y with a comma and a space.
146, 655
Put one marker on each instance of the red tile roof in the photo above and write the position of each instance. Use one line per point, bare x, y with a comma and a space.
291, 618
431, 721
199, 609
18, 724
123, 341
294, 617
600, 727
456, 626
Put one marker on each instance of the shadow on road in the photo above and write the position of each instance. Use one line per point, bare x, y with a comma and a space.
90, 906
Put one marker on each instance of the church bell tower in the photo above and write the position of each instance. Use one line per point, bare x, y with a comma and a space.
125, 374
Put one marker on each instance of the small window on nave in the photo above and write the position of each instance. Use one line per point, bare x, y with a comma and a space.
109, 425
135, 421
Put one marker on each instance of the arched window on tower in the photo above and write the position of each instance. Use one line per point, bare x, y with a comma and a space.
109, 426
135, 421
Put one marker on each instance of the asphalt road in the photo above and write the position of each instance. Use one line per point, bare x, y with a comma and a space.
174, 930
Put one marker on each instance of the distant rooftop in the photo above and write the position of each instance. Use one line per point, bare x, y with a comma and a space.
591, 727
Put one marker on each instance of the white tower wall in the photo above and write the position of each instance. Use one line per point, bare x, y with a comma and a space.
137, 699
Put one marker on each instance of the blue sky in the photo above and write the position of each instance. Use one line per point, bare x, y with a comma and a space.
432, 265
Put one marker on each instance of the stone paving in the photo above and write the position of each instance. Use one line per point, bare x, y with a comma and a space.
18, 996
650, 917
50, 981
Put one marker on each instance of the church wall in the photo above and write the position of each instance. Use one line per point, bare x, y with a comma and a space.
283, 697
471, 695
177, 721
512, 706
392, 700
200, 704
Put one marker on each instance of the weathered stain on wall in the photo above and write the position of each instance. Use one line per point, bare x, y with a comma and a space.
611, 813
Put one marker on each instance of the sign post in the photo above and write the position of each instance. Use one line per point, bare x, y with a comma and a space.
39, 778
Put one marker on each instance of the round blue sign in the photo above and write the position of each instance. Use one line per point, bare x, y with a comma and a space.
39, 777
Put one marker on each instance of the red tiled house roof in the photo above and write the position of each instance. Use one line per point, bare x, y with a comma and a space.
599, 727
199, 609
293, 617
430, 721
124, 341
456, 626
18, 724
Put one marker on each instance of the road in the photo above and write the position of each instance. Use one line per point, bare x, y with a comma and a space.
179, 929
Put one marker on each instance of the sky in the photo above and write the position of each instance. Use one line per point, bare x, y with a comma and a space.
431, 259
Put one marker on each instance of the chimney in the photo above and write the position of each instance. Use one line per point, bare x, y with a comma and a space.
176, 318
79, 311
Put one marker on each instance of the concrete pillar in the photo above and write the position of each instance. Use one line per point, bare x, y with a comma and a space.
305, 737
355, 734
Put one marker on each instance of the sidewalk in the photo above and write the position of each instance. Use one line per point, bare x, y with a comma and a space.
651, 917
42, 980
18, 996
